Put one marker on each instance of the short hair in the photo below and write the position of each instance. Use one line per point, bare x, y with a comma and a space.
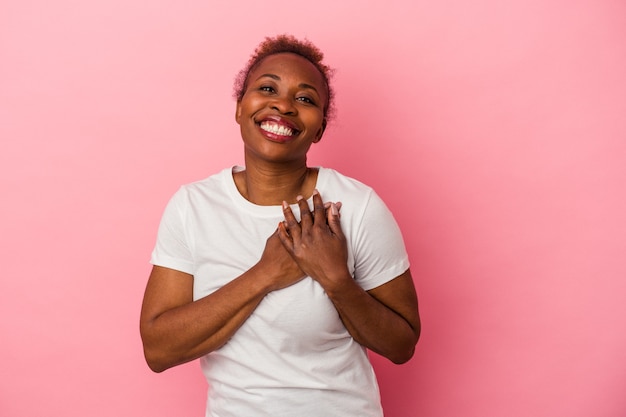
287, 44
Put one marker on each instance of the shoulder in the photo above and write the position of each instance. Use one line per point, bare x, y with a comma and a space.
356, 197
334, 181
360, 202
212, 186
201, 194
219, 179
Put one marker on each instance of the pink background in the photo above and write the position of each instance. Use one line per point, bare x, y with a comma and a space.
495, 131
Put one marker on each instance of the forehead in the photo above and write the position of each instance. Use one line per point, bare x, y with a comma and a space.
289, 66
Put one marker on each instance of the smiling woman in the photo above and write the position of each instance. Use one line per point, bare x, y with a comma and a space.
283, 104
278, 290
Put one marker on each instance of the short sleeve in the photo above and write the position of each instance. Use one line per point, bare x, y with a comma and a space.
379, 252
172, 249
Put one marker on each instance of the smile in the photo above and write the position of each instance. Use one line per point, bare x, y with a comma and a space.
277, 129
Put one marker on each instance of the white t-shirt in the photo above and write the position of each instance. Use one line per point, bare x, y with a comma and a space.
293, 356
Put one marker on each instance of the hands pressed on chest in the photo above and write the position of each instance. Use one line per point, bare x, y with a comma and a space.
316, 243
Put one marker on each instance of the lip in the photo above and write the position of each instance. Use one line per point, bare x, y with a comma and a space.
281, 122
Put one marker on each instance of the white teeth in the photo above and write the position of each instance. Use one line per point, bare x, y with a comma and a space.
276, 129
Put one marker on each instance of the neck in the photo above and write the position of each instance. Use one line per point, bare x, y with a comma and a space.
271, 185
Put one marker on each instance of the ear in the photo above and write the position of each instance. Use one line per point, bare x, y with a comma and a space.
320, 132
238, 112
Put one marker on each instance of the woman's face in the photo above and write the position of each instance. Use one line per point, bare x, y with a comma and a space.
282, 110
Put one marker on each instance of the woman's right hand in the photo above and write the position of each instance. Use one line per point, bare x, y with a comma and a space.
277, 265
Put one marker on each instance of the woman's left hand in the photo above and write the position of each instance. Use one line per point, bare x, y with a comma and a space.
317, 242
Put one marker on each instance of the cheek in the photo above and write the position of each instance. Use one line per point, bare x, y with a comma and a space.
317, 125
315, 119
250, 105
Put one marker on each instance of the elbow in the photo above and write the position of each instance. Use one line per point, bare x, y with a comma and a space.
400, 353
404, 355
160, 356
156, 362
156, 367
157, 357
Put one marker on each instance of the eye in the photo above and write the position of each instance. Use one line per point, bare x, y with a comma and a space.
267, 89
306, 99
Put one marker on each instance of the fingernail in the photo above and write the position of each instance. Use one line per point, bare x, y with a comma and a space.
298, 198
315, 192
285, 205
333, 209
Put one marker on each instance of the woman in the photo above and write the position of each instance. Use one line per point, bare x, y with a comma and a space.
257, 273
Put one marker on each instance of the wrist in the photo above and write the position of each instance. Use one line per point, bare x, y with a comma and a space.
260, 280
338, 284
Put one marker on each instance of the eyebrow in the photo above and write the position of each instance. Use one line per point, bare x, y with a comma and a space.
277, 78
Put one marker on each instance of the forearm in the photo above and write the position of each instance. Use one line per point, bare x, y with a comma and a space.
372, 323
197, 328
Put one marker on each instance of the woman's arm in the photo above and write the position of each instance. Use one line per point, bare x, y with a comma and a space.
384, 319
175, 329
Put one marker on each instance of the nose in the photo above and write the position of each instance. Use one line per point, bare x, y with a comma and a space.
283, 105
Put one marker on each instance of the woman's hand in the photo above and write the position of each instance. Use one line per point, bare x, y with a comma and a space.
317, 243
278, 265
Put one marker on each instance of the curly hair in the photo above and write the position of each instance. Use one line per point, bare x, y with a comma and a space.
281, 44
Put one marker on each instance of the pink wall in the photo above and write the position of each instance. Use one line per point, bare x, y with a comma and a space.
496, 132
